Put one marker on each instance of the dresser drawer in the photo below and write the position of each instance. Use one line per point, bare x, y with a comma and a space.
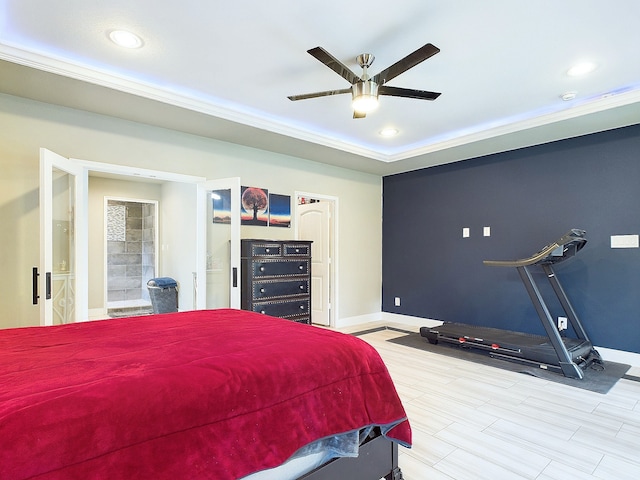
266, 250
267, 289
283, 308
297, 249
306, 319
279, 268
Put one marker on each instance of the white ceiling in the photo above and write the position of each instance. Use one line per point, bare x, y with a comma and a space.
225, 69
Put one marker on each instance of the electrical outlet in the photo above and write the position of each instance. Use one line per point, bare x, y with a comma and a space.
562, 323
397, 301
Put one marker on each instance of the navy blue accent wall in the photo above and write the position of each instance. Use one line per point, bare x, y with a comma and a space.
529, 198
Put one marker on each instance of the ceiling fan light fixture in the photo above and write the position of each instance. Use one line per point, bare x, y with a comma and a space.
364, 96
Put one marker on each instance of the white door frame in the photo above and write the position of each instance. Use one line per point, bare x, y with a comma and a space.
333, 241
136, 174
82, 225
156, 243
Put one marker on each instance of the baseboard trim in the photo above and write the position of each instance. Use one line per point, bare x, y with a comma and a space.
619, 356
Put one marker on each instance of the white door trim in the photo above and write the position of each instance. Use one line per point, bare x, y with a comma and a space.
124, 170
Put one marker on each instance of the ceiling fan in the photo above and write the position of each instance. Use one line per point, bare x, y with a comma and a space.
364, 89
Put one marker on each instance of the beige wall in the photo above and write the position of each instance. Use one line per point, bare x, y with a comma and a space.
25, 126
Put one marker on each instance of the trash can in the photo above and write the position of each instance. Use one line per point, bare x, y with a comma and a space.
163, 292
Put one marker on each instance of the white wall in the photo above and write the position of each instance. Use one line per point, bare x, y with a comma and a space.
178, 238
25, 126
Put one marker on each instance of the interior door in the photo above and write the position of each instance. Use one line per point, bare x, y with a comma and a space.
218, 244
63, 273
314, 225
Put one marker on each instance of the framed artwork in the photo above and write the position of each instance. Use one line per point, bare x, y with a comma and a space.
221, 206
255, 206
279, 210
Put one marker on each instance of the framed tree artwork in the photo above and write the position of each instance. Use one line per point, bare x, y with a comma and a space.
255, 206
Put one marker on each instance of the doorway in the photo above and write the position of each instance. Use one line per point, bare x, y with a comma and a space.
316, 220
131, 254
178, 256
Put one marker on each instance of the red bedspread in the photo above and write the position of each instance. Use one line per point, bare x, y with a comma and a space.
204, 394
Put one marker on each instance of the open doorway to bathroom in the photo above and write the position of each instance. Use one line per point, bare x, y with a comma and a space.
131, 254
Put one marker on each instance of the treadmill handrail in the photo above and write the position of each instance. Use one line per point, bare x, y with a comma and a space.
573, 236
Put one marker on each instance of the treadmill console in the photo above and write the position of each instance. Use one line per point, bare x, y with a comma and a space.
565, 247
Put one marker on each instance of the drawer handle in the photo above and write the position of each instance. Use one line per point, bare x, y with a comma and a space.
301, 307
301, 287
261, 269
263, 312
297, 250
301, 267
262, 290
266, 250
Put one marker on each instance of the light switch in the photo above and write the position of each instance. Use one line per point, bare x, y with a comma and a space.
465, 232
486, 231
624, 241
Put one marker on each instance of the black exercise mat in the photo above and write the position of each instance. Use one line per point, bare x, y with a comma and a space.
595, 378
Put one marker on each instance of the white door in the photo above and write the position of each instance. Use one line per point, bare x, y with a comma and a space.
218, 244
314, 225
62, 283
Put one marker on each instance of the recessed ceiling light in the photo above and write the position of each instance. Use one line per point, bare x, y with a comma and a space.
389, 132
125, 39
581, 69
568, 96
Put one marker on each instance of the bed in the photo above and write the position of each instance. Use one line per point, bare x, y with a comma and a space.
211, 394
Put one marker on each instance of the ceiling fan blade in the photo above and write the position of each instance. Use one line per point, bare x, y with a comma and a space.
407, 93
406, 63
334, 64
359, 114
326, 93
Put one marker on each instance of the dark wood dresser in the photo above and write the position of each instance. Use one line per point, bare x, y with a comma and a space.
276, 278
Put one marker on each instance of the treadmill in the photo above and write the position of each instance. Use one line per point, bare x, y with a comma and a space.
569, 356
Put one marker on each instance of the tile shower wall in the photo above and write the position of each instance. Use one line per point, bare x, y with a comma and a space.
130, 250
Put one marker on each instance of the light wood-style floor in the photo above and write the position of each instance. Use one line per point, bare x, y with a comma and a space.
477, 422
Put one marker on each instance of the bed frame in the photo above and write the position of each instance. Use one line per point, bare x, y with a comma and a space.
378, 458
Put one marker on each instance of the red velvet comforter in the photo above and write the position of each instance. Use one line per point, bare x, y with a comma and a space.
204, 394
